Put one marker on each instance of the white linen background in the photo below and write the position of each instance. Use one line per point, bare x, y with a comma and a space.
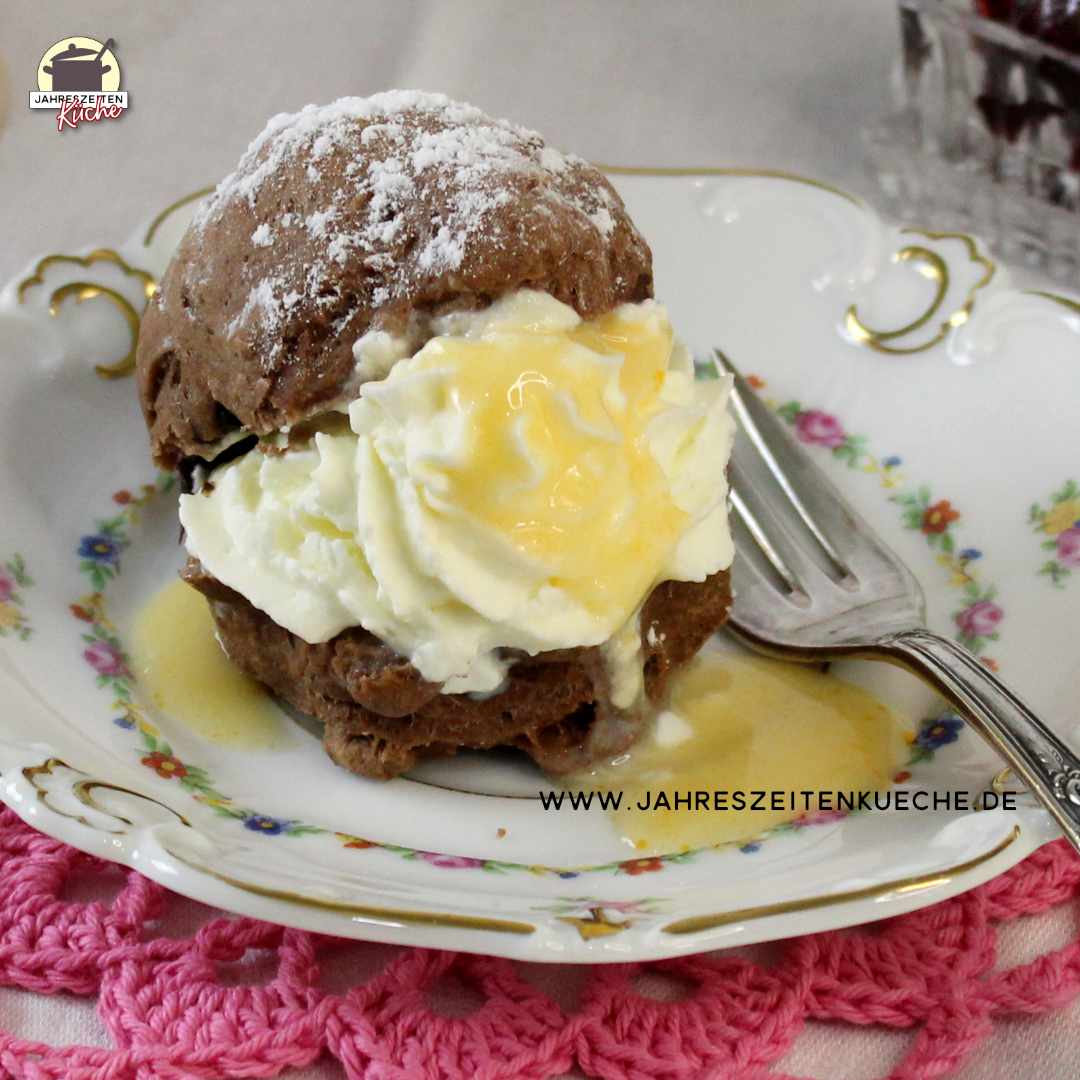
768, 83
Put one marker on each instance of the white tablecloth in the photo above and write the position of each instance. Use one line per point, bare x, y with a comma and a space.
769, 83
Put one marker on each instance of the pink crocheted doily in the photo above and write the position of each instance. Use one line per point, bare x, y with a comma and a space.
172, 1015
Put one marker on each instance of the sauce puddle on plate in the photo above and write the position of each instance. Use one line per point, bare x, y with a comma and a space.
745, 724
184, 673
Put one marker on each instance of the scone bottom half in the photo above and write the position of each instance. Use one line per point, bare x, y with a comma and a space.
371, 217
381, 718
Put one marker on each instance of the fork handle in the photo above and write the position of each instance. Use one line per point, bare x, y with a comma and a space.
1048, 767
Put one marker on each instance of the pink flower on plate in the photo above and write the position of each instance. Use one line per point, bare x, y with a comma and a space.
105, 659
450, 862
980, 619
626, 907
1068, 549
819, 428
7, 588
818, 817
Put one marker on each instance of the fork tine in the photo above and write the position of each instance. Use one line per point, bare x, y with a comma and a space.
772, 528
761, 541
755, 581
769, 439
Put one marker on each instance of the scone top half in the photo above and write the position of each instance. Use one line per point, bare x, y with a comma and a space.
366, 215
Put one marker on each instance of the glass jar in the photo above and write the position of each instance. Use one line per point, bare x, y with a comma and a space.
985, 134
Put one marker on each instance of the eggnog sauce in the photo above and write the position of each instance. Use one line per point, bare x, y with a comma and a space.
736, 723
184, 673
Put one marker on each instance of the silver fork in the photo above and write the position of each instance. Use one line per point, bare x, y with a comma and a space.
813, 582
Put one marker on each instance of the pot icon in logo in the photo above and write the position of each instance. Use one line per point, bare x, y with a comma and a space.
79, 78
79, 65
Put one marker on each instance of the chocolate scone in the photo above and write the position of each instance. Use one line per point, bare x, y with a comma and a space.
329, 360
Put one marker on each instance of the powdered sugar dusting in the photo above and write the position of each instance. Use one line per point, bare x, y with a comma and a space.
368, 162
260, 300
320, 128
552, 160
444, 249
604, 222
319, 222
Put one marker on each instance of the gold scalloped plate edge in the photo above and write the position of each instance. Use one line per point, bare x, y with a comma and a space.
725, 170
906, 886
148, 850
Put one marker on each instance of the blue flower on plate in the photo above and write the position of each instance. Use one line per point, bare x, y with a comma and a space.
891, 462
567, 874
750, 848
270, 826
938, 733
100, 548
970, 554
125, 722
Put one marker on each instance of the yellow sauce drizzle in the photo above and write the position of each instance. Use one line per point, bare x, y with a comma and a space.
558, 460
747, 724
184, 673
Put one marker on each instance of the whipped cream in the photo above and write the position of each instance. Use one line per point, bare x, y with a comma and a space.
521, 482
